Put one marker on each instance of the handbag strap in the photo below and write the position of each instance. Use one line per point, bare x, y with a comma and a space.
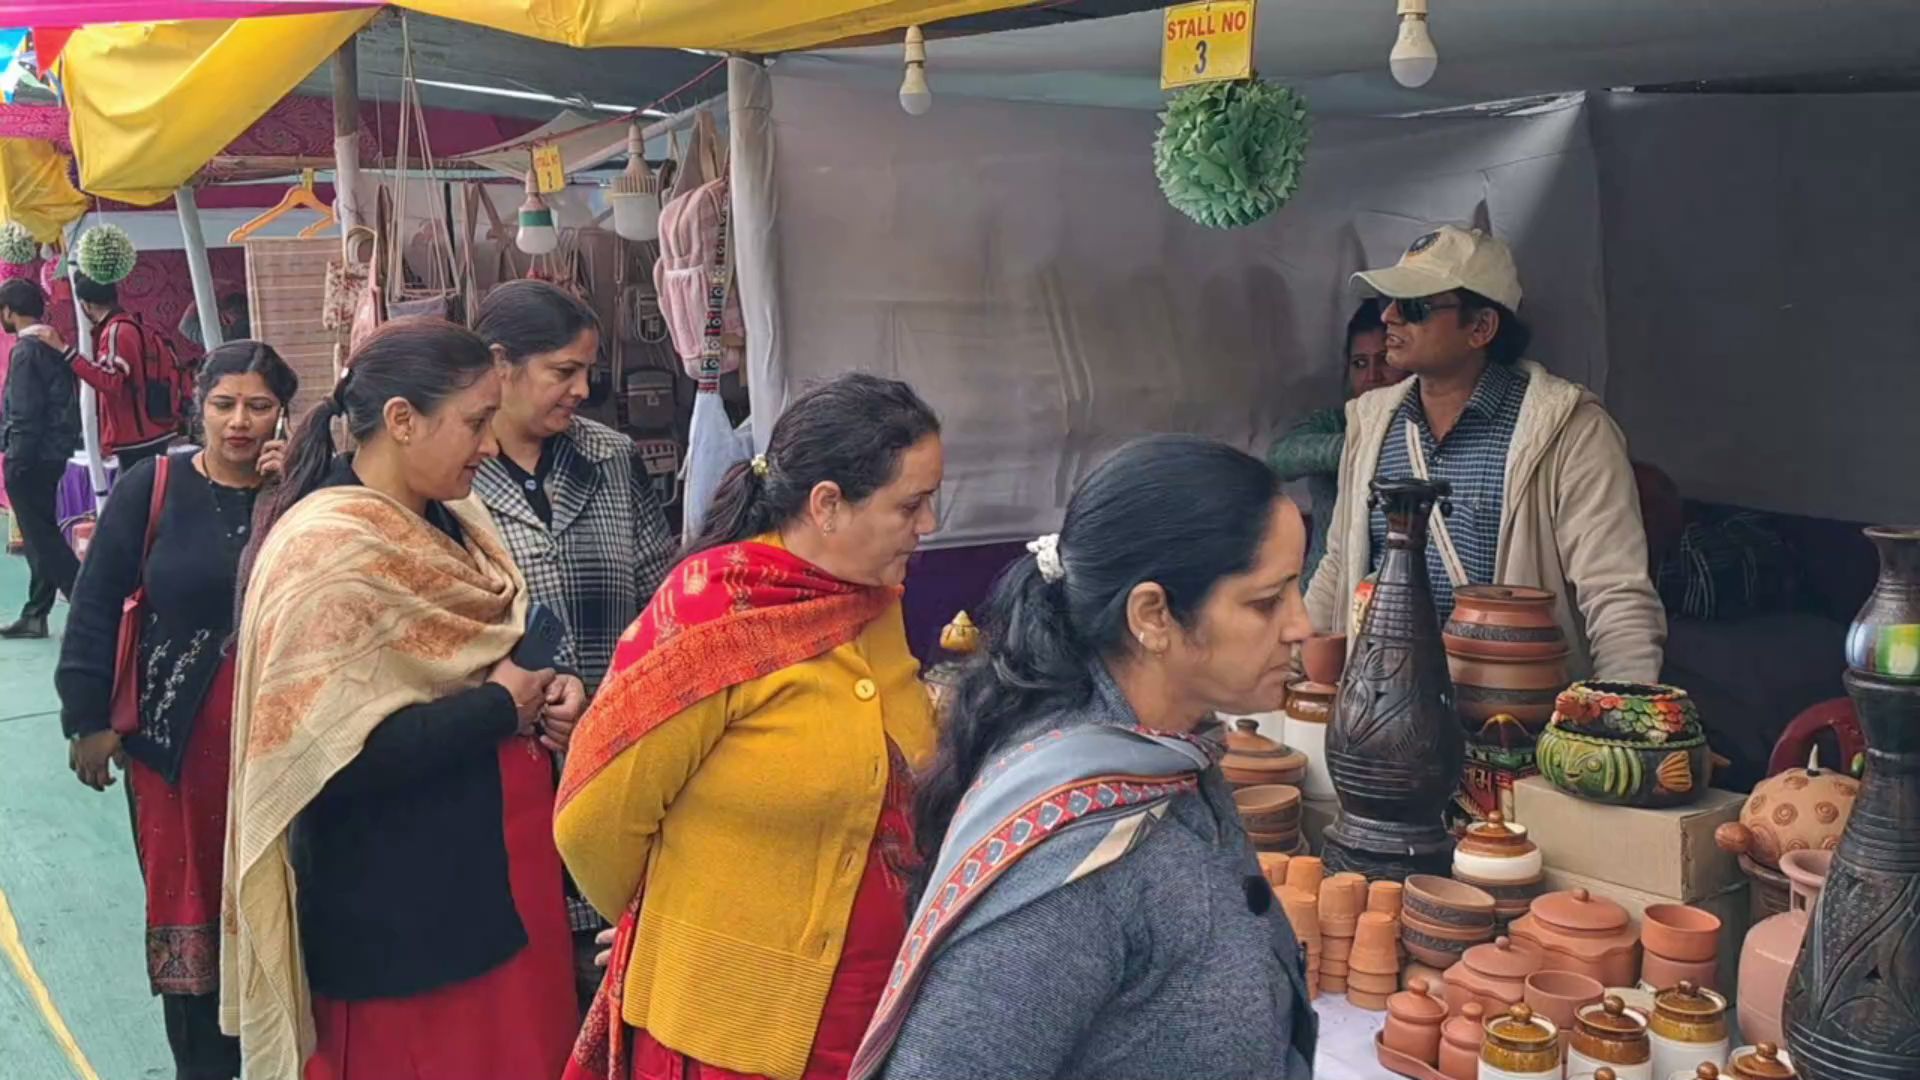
1456, 569
155, 503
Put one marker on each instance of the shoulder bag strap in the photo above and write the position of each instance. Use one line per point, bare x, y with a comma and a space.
1456, 570
155, 504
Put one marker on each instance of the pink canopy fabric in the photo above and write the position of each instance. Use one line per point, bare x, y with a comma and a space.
69, 13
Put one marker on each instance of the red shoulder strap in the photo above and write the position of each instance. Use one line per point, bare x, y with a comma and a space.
155, 503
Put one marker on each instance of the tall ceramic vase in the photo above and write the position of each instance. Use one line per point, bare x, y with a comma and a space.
1853, 1000
1395, 747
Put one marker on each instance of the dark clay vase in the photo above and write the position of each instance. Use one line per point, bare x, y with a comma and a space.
1853, 1000
1395, 747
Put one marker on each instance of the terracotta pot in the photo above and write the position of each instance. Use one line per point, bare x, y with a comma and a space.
1342, 896
1275, 841
1557, 994
1339, 929
1324, 656
1273, 866
1526, 691
1631, 712
1520, 1044
1510, 899
1797, 810
1413, 1023
1371, 982
1376, 948
1688, 1026
1460, 1040
1385, 897
1763, 1062
1773, 946
1506, 653
1309, 711
1436, 951
1268, 808
1680, 932
1611, 1035
1303, 913
1493, 975
1496, 850
1462, 936
1662, 973
1582, 933
1253, 759
1360, 999
1446, 902
1305, 872
1620, 772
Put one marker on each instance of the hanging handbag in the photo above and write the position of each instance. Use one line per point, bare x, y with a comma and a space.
123, 708
348, 279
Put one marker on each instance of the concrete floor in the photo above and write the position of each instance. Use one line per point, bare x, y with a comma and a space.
73, 988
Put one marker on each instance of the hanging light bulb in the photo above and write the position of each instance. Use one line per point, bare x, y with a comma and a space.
537, 236
1414, 58
915, 95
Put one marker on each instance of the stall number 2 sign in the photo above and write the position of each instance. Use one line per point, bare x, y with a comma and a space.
549, 169
1207, 43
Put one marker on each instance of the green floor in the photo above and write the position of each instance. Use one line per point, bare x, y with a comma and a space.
68, 875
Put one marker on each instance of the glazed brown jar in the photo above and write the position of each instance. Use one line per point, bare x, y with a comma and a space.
1582, 933
1760, 1063
1688, 1026
1610, 1034
1520, 1046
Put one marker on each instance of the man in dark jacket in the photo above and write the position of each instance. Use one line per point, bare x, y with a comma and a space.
39, 429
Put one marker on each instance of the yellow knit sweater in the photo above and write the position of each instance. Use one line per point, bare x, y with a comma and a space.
749, 815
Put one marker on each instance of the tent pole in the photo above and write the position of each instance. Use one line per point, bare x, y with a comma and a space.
89, 400
346, 135
198, 268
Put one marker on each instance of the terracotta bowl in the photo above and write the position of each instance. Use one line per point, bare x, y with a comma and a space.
1680, 932
1558, 994
1665, 973
1325, 657
1446, 902
1450, 935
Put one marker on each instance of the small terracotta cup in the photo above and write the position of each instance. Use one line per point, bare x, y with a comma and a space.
1338, 899
1680, 932
1385, 897
1558, 994
1303, 913
1324, 656
1305, 872
1664, 973
1273, 866
1376, 945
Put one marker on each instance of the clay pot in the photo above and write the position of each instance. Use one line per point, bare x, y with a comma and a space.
1268, 808
1621, 772
1361, 999
1510, 899
1441, 947
1582, 933
1520, 1046
1253, 759
1763, 1062
1273, 866
1506, 654
1309, 711
1305, 872
1303, 913
1797, 810
1629, 712
1558, 994
1495, 850
1525, 691
1613, 1036
1324, 656
1376, 949
1661, 973
1680, 932
1493, 975
1688, 1026
1413, 1023
1342, 897
1385, 897
1773, 946
1446, 902
1460, 1040
1370, 982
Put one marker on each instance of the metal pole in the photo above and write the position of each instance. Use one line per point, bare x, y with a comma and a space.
89, 401
198, 268
346, 136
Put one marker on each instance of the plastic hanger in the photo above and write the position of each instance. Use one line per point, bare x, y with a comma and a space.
296, 198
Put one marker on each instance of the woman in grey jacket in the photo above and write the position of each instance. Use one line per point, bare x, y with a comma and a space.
1088, 904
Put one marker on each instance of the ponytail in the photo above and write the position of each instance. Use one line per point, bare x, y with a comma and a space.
309, 454
740, 509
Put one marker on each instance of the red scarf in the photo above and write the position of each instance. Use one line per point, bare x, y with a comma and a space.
726, 616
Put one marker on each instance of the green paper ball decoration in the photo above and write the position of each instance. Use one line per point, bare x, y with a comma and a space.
17, 245
1229, 154
105, 254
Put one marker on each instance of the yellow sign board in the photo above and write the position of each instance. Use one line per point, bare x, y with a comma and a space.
1207, 43
549, 171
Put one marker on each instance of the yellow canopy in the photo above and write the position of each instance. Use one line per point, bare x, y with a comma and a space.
749, 26
34, 189
152, 103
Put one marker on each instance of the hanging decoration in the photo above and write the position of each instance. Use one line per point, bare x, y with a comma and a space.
105, 253
17, 245
1230, 153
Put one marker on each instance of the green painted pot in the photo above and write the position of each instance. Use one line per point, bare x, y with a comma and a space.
1623, 772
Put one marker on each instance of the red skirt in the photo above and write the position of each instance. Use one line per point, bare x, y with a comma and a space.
516, 1022
180, 830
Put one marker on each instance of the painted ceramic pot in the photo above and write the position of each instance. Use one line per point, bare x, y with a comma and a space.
1884, 639
1688, 1026
1506, 654
1671, 772
1772, 946
1640, 712
1519, 1044
1613, 1036
1797, 810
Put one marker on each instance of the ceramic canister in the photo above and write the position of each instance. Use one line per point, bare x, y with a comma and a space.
1498, 852
1688, 1026
1611, 1035
1520, 1046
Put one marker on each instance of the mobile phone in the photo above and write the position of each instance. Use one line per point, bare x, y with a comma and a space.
539, 647
280, 427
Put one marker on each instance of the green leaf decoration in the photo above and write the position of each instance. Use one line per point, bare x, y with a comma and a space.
105, 253
1229, 154
17, 245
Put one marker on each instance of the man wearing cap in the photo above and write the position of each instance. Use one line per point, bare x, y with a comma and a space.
1543, 493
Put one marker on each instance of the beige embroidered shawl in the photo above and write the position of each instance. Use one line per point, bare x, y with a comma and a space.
356, 607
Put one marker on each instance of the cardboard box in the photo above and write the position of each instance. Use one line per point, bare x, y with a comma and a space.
1730, 905
1668, 853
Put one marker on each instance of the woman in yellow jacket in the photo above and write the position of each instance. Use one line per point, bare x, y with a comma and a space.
737, 798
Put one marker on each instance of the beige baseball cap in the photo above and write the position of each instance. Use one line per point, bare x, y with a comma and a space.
1450, 258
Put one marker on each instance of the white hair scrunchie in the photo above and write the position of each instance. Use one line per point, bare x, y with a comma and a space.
1046, 553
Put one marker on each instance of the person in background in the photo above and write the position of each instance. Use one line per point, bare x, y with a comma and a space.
234, 321
1311, 450
737, 796
131, 370
1130, 936
176, 763
571, 500
39, 431
393, 898
1543, 494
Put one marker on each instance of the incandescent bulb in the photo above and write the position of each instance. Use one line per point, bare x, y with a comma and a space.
1414, 58
915, 95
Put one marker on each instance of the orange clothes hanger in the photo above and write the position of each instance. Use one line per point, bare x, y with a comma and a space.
297, 198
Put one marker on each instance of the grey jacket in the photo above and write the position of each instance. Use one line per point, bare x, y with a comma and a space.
1156, 966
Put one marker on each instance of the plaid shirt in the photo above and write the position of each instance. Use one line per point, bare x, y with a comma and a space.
1473, 458
600, 561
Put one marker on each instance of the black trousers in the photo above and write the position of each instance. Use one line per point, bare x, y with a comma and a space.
200, 1050
31, 487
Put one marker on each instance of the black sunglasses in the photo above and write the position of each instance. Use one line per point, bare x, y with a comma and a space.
1420, 308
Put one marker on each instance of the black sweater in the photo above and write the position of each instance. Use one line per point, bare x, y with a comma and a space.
41, 418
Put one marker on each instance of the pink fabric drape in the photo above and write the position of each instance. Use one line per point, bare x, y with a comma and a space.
69, 13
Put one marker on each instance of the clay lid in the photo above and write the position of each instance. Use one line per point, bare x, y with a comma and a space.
1611, 1019
1519, 1027
1245, 738
1416, 1006
1690, 1004
1466, 1029
1762, 1063
1578, 909
1603, 1073
1505, 594
1504, 958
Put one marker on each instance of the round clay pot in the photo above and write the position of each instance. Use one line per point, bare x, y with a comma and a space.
1663, 973
1625, 773
1497, 851
1303, 913
1446, 902
1582, 933
1494, 975
1680, 932
1556, 994
1413, 1023
1460, 1040
1506, 653
1324, 656
1797, 810
1253, 759
1526, 691
1385, 897
1520, 1044
1309, 711
1268, 808
1772, 947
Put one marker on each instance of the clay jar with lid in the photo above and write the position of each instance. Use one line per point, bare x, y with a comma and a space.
1582, 933
1494, 975
1413, 1023
1253, 759
1309, 710
1498, 852
1520, 1046
1460, 1039
1610, 1034
1688, 1026
1763, 1062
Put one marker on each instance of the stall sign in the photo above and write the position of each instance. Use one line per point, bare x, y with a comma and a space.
1207, 43
549, 171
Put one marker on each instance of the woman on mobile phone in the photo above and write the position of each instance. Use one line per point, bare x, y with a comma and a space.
176, 761
393, 766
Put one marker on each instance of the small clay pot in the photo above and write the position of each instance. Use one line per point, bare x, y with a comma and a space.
1557, 994
1338, 929
1524, 690
1763, 1062
1662, 973
1680, 932
1385, 897
1253, 759
1519, 1043
1268, 807
1351, 889
1303, 913
1361, 999
1372, 982
1413, 1023
1582, 933
1324, 656
1305, 872
1273, 866
1460, 1040
1446, 902
1376, 945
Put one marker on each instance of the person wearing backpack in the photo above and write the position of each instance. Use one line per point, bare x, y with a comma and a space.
136, 372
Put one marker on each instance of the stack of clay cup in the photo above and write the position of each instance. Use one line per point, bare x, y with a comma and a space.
1384, 897
1373, 968
1342, 899
1300, 896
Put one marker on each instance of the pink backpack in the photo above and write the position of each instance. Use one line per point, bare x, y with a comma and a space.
696, 250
